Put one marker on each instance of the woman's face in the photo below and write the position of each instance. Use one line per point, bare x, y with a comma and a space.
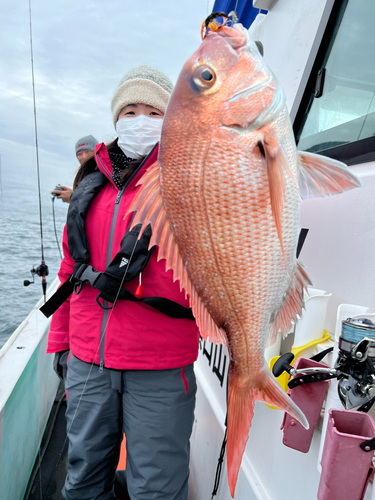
132, 110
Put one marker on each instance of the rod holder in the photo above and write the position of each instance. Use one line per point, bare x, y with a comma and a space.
309, 398
346, 468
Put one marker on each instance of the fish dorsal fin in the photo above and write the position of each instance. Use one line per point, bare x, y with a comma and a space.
292, 305
320, 176
148, 203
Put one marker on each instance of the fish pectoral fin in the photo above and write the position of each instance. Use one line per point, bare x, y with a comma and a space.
149, 207
276, 168
321, 176
292, 305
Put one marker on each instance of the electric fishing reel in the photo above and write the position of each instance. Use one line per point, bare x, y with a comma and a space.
354, 367
355, 364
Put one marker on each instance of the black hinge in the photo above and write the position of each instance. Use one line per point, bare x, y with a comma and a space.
319, 84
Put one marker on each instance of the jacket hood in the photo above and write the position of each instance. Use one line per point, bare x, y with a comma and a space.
103, 161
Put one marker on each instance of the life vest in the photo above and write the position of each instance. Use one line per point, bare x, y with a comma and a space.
127, 264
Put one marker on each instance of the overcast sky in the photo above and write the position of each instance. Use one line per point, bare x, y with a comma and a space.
81, 51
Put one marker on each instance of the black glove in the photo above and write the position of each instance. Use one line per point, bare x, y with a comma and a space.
60, 364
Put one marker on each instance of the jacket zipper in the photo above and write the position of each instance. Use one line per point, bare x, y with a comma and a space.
109, 252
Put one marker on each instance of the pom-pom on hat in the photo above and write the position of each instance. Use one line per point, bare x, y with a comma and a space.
88, 142
145, 85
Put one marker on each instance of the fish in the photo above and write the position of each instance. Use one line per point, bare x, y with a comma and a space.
223, 201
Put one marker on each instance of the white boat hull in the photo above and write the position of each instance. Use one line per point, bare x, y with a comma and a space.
28, 386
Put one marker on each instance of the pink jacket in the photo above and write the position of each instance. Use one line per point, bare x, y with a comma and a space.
135, 336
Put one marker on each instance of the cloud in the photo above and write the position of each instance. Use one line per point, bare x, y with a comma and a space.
81, 51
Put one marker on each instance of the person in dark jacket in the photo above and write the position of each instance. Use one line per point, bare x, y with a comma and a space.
85, 149
130, 366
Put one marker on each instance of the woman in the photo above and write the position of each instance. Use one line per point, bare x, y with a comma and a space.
130, 366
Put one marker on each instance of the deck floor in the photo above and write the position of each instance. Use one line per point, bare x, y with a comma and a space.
49, 477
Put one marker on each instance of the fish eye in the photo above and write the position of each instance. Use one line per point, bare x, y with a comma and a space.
204, 77
207, 75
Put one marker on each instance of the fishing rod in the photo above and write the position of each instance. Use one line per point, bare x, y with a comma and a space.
1, 187
42, 269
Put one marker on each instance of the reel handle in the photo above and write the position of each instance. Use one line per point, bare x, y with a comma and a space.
283, 364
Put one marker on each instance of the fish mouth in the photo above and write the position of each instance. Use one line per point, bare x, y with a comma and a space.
236, 36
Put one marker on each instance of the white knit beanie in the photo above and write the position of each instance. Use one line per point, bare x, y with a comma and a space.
142, 85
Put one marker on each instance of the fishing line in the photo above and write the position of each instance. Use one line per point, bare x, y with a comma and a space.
220, 465
42, 450
102, 336
54, 226
96, 352
1, 187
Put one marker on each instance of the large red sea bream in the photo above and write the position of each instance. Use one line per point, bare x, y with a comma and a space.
223, 201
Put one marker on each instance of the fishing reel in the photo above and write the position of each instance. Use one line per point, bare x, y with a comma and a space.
41, 271
304, 375
56, 188
355, 364
354, 367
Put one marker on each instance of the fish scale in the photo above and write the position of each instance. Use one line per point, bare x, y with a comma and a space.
221, 203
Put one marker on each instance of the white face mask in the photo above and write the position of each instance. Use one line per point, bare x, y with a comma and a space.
138, 135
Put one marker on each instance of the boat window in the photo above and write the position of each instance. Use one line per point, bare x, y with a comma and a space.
341, 108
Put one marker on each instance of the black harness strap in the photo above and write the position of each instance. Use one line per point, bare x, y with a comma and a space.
109, 291
161, 304
57, 299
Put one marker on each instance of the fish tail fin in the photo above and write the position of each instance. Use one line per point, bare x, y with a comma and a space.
272, 393
241, 401
240, 413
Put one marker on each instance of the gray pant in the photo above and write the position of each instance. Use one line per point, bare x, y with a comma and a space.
154, 408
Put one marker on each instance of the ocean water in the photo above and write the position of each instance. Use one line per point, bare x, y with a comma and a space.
20, 248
